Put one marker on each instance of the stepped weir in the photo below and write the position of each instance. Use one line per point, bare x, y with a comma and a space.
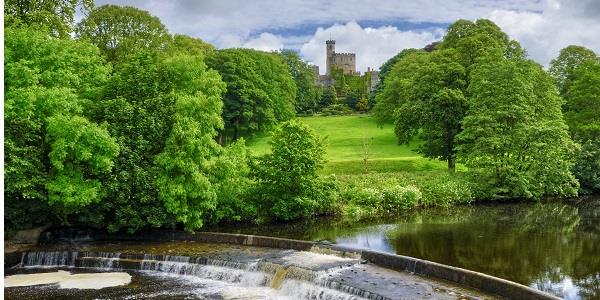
205, 270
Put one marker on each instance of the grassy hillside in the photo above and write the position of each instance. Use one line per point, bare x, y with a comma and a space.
345, 136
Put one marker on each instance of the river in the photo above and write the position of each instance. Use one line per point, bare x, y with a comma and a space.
554, 246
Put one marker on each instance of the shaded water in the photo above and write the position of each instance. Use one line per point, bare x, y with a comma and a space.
554, 247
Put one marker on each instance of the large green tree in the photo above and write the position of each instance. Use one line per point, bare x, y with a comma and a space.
184, 182
435, 107
305, 78
260, 90
515, 141
582, 112
53, 154
384, 70
121, 30
398, 85
569, 59
55, 16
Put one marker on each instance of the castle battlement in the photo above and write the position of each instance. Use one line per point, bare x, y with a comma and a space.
344, 61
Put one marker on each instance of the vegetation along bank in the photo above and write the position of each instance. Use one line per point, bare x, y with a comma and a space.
116, 123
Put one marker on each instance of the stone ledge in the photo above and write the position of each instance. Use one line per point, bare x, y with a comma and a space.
476, 280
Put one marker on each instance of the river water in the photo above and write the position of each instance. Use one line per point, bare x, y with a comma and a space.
554, 247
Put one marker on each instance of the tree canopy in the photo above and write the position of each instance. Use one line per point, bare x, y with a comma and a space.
514, 140
55, 16
569, 59
260, 90
120, 30
53, 153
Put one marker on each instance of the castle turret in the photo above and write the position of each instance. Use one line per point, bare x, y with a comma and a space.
330, 58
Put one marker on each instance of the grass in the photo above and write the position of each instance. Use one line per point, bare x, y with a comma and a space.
345, 136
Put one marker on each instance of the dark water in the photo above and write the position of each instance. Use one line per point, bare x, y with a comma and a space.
553, 247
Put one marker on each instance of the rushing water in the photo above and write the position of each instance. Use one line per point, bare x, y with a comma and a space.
220, 272
554, 247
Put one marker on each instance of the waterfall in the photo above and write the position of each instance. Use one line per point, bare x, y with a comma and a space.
49, 259
284, 281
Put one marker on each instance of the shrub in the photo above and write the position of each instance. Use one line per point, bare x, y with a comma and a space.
337, 109
396, 198
587, 167
288, 186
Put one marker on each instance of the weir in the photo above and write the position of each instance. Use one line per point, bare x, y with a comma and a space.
233, 266
264, 273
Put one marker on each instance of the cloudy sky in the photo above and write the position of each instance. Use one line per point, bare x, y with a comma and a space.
374, 30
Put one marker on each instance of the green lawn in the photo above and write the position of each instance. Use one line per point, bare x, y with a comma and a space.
345, 136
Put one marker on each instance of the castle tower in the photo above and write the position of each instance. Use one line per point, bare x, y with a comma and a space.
330, 48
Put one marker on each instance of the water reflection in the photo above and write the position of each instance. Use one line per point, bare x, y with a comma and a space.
553, 247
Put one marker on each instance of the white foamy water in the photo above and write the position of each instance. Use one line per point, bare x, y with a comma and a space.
67, 280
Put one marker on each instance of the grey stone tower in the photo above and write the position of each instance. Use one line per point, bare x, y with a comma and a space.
330, 47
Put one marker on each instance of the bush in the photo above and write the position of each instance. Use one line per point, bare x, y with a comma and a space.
587, 167
396, 198
288, 186
336, 110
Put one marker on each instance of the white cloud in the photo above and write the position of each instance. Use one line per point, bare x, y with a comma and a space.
265, 42
373, 46
559, 24
542, 26
210, 19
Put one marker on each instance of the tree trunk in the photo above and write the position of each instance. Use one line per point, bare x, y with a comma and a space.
451, 165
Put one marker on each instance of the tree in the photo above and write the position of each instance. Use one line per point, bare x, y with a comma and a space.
56, 16
563, 67
473, 40
383, 72
54, 155
184, 183
328, 97
582, 112
305, 78
120, 30
398, 85
260, 90
288, 183
435, 108
139, 108
183, 44
582, 107
514, 140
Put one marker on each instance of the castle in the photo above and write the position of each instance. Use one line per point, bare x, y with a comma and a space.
343, 61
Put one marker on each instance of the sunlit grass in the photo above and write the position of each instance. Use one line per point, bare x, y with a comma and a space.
345, 137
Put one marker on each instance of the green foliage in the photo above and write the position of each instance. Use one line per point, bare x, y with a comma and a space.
563, 67
183, 183
328, 97
435, 107
380, 194
473, 40
121, 30
183, 44
587, 167
230, 178
336, 110
80, 151
515, 141
260, 90
54, 16
288, 186
582, 107
305, 78
398, 85
52, 153
384, 70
